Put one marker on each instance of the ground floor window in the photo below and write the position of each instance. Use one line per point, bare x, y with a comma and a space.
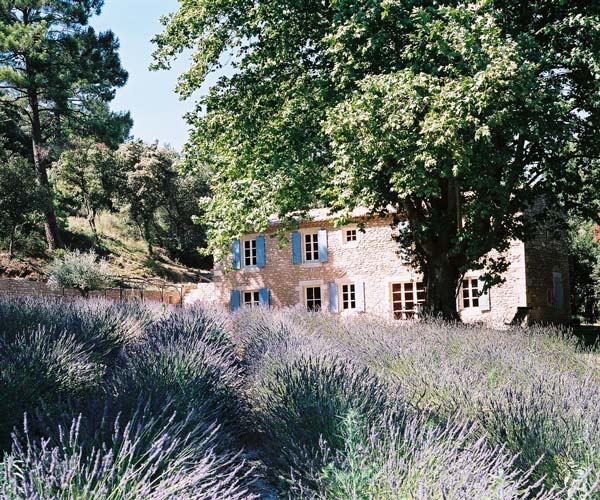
251, 298
348, 296
312, 298
407, 298
470, 293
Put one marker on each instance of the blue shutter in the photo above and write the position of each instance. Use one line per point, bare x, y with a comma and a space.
359, 288
260, 251
235, 249
333, 297
296, 248
323, 245
235, 300
484, 298
264, 297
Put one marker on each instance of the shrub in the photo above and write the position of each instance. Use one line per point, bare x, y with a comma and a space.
145, 457
299, 404
81, 271
421, 460
39, 368
185, 363
104, 328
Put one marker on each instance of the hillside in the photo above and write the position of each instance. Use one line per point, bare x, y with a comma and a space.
125, 250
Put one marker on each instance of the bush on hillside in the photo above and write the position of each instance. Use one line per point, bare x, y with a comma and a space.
83, 272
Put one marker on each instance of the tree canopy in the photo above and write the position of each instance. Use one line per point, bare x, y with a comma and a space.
57, 74
460, 115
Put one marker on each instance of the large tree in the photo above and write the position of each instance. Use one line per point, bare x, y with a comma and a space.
459, 115
59, 74
87, 176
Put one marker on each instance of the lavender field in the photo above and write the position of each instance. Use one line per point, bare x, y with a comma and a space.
110, 401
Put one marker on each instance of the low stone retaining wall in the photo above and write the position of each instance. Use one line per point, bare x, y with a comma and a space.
26, 288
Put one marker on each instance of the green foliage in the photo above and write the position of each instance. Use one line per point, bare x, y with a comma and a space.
161, 200
458, 115
81, 271
57, 76
87, 175
585, 252
19, 201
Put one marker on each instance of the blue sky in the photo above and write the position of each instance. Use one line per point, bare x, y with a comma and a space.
150, 96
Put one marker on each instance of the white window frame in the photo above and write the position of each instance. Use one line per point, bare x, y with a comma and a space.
314, 234
313, 286
352, 302
471, 301
407, 314
344, 234
254, 298
250, 240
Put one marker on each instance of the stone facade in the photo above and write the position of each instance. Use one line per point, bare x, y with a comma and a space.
383, 284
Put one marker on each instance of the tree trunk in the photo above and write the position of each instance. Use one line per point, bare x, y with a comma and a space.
50, 224
441, 281
11, 242
91, 217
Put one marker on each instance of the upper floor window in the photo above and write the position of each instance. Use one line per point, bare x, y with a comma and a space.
250, 253
251, 298
311, 247
348, 296
470, 293
312, 297
407, 298
350, 235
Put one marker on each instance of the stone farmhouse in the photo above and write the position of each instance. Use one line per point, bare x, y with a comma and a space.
358, 268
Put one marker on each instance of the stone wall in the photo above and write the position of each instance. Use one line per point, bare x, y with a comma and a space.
26, 288
545, 256
374, 260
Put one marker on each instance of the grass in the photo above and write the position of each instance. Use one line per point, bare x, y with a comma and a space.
120, 244
125, 401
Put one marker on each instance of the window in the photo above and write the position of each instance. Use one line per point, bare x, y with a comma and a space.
251, 299
407, 298
250, 254
312, 297
350, 235
311, 247
349, 296
470, 293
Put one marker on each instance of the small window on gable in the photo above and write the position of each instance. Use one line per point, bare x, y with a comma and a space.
470, 293
311, 247
250, 253
251, 298
348, 296
312, 298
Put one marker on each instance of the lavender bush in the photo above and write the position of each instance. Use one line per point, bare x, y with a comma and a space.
130, 401
143, 459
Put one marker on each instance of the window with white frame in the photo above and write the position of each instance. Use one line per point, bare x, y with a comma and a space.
251, 298
312, 298
470, 293
407, 298
350, 235
250, 253
348, 296
311, 247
